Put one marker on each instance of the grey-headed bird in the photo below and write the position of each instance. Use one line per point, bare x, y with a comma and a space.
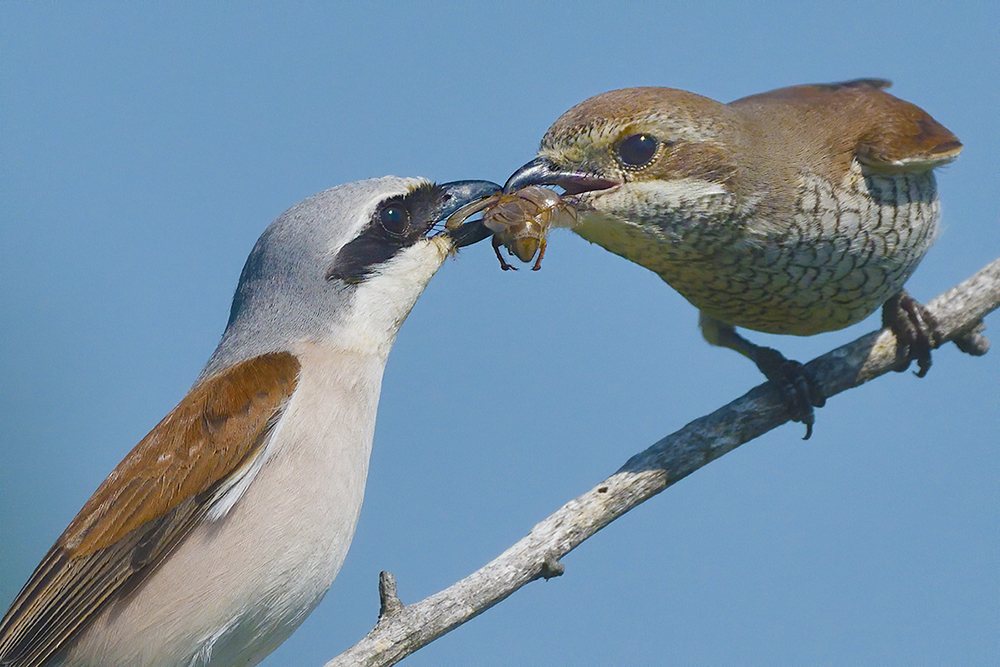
797, 211
219, 533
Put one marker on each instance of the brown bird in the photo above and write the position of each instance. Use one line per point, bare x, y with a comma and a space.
796, 211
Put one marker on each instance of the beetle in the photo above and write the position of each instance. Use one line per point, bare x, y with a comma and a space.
520, 221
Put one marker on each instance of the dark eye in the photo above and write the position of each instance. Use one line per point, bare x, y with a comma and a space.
637, 150
394, 218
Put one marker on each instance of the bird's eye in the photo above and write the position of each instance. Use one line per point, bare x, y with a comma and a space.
394, 218
637, 150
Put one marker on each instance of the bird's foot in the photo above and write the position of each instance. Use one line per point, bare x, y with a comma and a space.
916, 331
800, 389
797, 385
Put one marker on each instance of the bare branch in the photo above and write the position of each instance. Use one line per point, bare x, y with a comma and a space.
403, 630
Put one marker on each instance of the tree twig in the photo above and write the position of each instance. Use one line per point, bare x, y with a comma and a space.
401, 630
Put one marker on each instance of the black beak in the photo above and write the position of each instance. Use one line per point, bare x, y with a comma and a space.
542, 172
456, 195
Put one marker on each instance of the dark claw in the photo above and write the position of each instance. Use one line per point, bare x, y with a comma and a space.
800, 389
802, 392
915, 328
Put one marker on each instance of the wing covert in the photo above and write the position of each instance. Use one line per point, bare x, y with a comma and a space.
148, 503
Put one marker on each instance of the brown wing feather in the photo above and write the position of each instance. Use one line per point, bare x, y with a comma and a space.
863, 121
148, 503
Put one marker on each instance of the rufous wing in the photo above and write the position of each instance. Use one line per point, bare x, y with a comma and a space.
149, 502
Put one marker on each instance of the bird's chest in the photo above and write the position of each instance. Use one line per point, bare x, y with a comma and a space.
297, 519
821, 260
239, 584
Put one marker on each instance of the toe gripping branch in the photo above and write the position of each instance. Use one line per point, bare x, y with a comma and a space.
917, 334
916, 331
797, 385
800, 389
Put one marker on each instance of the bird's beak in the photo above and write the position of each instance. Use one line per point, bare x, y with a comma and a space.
541, 171
458, 194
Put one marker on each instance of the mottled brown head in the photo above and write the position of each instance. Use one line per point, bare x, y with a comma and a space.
669, 147
644, 134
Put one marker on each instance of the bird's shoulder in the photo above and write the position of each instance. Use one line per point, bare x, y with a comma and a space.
199, 443
149, 502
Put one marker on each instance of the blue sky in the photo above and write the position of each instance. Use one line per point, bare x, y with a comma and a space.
142, 151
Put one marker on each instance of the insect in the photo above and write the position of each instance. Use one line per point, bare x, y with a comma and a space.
519, 221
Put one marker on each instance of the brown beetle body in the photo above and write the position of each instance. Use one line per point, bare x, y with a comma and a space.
520, 221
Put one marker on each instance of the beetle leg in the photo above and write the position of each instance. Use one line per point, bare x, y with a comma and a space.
496, 248
541, 253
